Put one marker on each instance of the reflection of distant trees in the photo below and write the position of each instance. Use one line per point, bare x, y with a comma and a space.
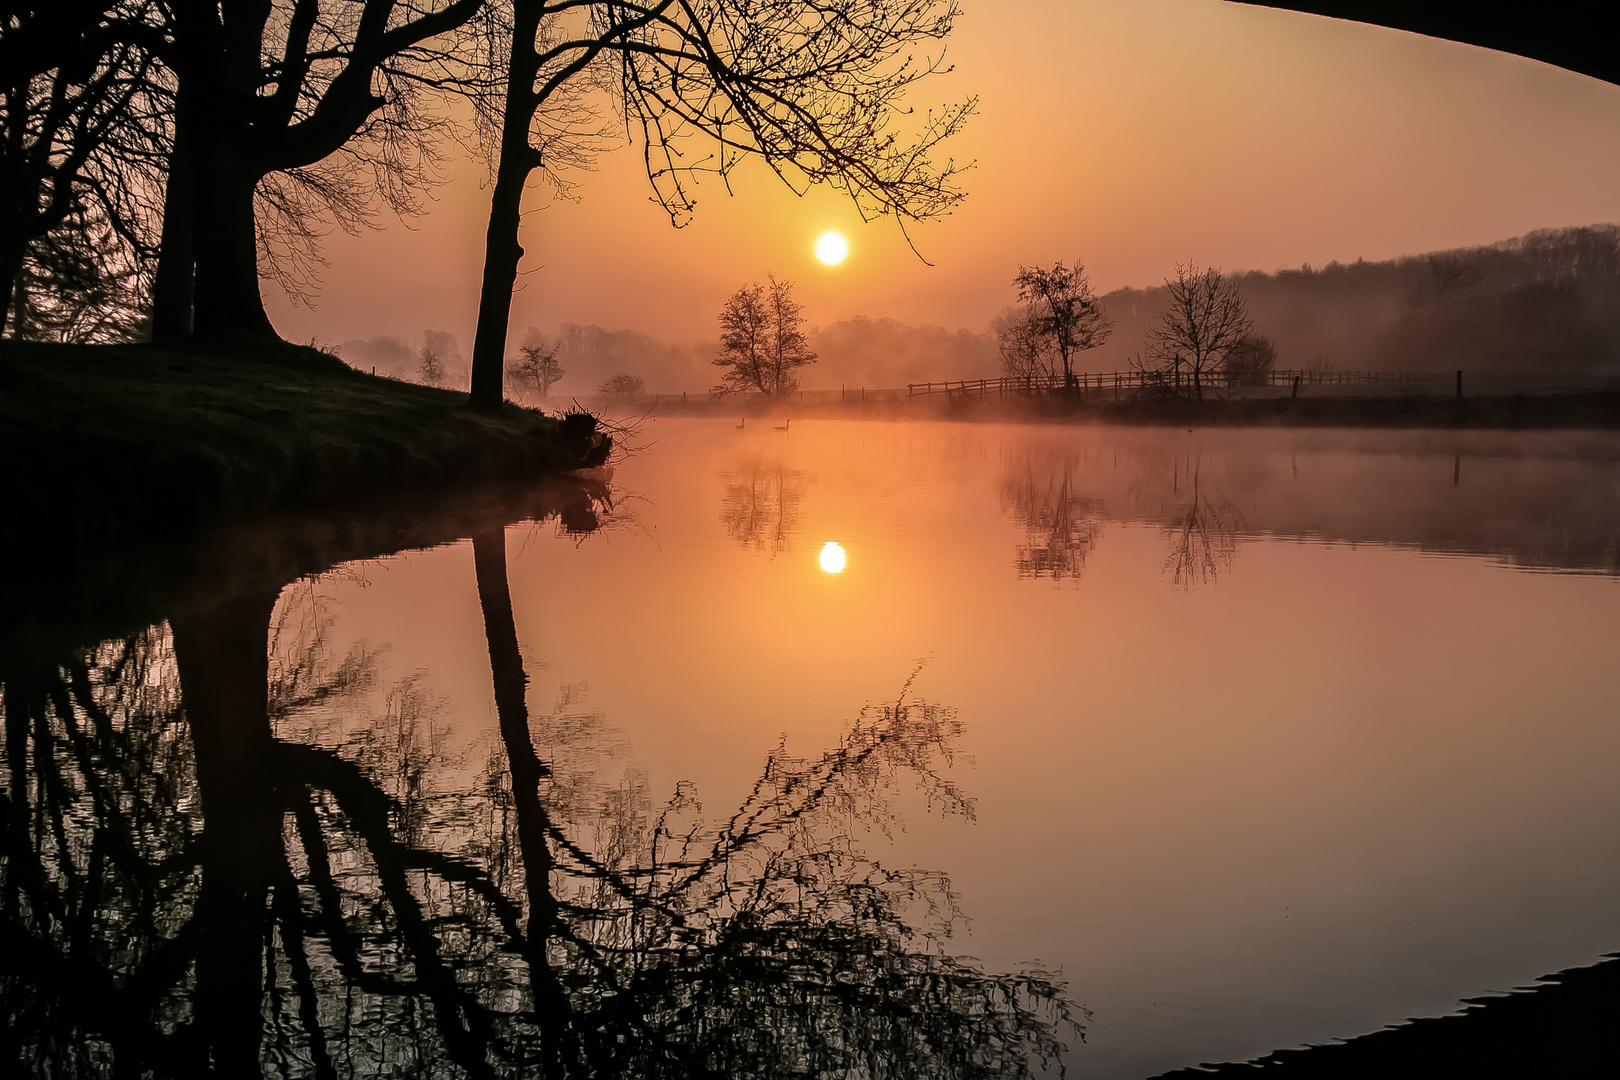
759, 503
1202, 532
203, 873
1060, 526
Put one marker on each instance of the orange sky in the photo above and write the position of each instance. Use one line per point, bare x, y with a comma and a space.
1131, 133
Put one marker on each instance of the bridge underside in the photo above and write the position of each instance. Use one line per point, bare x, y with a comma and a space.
1567, 35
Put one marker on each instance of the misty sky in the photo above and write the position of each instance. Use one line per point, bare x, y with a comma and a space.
1131, 133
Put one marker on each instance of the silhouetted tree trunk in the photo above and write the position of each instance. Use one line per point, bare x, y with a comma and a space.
270, 92
12, 251
502, 251
174, 287
226, 244
222, 656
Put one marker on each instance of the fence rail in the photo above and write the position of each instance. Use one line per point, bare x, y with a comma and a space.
1117, 385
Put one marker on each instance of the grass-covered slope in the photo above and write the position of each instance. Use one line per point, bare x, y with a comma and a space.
120, 436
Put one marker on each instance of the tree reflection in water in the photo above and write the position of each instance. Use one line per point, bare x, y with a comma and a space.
201, 875
1060, 527
1041, 491
759, 503
1202, 531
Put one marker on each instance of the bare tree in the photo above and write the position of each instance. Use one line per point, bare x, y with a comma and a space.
762, 342
84, 133
430, 366
814, 90
1060, 317
537, 367
623, 387
1206, 320
267, 95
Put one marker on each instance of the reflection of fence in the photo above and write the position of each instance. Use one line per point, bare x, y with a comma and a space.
1118, 384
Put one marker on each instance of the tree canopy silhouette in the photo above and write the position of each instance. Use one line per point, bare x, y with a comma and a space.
1060, 318
762, 343
1205, 322
813, 90
84, 139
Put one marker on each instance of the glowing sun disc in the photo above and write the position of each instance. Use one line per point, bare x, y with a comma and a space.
832, 248
832, 557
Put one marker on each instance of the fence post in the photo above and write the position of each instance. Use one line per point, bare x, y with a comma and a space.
1459, 385
1296, 387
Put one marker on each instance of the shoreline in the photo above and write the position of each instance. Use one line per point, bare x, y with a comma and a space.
137, 439
1594, 410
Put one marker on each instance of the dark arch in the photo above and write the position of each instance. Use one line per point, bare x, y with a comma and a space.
1566, 35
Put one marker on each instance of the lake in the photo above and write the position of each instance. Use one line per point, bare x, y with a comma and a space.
1197, 744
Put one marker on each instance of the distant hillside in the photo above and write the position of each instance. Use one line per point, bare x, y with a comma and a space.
1545, 302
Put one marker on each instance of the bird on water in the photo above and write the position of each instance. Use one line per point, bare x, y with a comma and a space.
784, 427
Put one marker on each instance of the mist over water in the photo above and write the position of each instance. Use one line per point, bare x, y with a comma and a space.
1199, 743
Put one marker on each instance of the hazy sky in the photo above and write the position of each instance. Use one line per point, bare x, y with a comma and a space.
1129, 133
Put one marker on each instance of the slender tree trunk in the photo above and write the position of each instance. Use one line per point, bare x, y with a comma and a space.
502, 252
174, 289
222, 656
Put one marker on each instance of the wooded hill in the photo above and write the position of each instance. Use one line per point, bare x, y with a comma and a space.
1547, 302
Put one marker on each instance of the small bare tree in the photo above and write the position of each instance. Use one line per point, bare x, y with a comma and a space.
762, 341
430, 366
1206, 320
1060, 318
623, 387
537, 367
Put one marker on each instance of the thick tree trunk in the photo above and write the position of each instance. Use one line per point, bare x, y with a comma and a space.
222, 656
228, 300
502, 252
174, 289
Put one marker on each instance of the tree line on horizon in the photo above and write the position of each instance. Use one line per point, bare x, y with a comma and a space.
1548, 301
161, 157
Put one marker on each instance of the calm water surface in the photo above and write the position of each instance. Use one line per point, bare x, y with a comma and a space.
1202, 744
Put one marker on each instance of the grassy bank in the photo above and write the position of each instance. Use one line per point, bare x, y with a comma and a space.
94, 438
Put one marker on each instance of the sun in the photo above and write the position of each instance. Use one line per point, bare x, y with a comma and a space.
831, 247
832, 557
